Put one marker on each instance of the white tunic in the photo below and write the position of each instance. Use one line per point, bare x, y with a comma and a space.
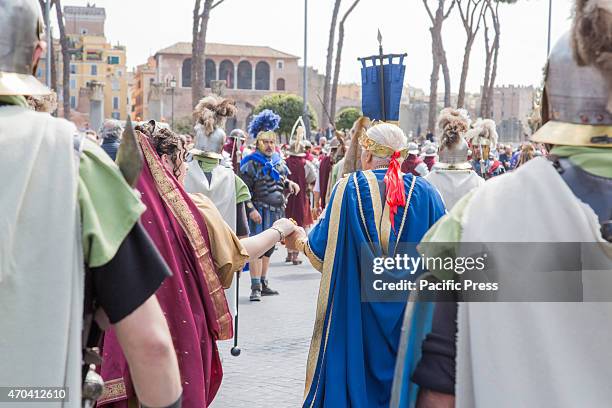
222, 192
535, 354
453, 184
41, 262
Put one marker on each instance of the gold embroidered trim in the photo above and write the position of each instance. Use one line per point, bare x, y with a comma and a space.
376, 201
114, 390
175, 201
361, 214
328, 266
316, 262
385, 226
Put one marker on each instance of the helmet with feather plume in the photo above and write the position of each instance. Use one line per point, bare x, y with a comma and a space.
483, 135
297, 145
263, 126
210, 115
453, 125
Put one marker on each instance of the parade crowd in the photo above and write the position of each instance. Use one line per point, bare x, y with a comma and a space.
121, 249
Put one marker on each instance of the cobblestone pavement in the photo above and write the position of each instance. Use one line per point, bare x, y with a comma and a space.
274, 336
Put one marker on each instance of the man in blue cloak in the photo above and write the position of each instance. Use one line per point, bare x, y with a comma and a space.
355, 341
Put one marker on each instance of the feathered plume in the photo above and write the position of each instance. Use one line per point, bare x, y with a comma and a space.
147, 128
483, 129
592, 37
453, 123
212, 112
339, 136
44, 103
352, 161
265, 121
297, 135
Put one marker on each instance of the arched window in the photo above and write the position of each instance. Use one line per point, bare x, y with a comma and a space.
245, 75
210, 72
226, 72
280, 84
186, 73
262, 76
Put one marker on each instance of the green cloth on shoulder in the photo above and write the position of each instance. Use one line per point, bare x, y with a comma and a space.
109, 206
17, 100
242, 191
445, 236
207, 164
594, 160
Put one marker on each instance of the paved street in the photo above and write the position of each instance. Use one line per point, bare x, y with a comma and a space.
274, 336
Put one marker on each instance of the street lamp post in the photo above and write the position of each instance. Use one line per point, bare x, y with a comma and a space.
549, 26
49, 43
172, 89
305, 96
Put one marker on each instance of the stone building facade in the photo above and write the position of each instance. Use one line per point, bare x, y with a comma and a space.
249, 72
98, 74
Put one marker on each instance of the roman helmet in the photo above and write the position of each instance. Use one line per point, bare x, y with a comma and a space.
262, 127
453, 124
210, 115
413, 149
22, 30
238, 135
576, 101
484, 135
297, 145
430, 151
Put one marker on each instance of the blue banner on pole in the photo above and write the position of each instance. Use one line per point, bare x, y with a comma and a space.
371, 100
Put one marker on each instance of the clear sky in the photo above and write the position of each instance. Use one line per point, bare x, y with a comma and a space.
145, 26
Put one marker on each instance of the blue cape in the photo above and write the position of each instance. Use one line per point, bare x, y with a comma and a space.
355, 343
268, 163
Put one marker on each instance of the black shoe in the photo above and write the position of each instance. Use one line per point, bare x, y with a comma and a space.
267, 290
255, 293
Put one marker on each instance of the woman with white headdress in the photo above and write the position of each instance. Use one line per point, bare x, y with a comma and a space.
453, 174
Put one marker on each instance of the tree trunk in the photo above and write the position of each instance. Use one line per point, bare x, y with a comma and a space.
489, 110
485, 85
496, 45
65, 44
199, 29
471, 23
52, 61
201, 78
433, 87
53, 68
330, 57
445, 74
334, 92
195, 52
464, 72
439, 60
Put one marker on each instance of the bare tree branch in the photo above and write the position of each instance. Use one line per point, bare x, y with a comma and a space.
467, 11
334, 90
216, 4
453, 2
429, 11
65, 45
